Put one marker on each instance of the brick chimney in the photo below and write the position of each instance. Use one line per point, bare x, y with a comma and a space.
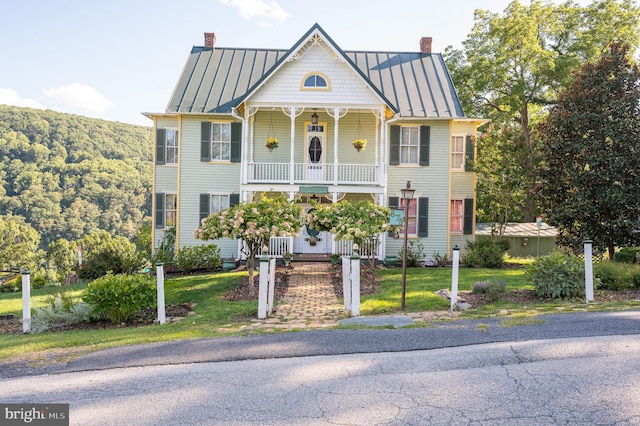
425, 44
209, 39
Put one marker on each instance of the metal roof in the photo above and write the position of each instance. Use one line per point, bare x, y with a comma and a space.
513, 229
414, 84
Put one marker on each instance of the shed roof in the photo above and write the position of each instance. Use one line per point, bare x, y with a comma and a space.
514, 229
415, 84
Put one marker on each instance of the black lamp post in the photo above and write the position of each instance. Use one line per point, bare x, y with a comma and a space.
407, 196
314, 118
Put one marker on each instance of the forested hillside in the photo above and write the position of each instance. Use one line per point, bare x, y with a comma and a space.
68, 175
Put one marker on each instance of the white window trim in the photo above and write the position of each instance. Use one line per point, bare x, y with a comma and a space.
211, 142
165, 210
218, 194
417, 146
461, 200
166, 147
464, 154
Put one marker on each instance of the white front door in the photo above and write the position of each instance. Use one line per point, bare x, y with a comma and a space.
315, 156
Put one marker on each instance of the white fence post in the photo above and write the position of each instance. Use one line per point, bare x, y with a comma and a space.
588, 269
454, 277
26, 301
264, 286
355, 284
346, 282
272, 283
160, 288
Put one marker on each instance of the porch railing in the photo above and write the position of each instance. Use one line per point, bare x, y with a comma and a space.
344, 174
278, 246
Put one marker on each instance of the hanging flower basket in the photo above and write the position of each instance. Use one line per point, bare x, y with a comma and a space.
359, 144
272, 142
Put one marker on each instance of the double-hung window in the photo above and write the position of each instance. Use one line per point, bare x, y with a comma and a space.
221, 141
409, 145
457, 152
213, 203
166, 146
166, 210
456, 216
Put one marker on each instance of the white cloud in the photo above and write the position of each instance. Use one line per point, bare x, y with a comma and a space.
80, 96
249, 9
11, 97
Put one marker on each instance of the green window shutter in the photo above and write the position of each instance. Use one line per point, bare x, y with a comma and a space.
467, 226
234, 199
236, 142
394, 144
425, 145
204, 206
159, 219
469, 154
205, 141
423, 217
161, 140
394, 203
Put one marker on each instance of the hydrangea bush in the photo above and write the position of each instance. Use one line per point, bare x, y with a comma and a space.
254, 223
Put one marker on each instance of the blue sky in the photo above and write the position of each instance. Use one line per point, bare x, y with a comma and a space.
116, 59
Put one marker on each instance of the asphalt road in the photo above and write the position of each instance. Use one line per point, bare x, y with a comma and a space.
578, 381
340, 342
571, 369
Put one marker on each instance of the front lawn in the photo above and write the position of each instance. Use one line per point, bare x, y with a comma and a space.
210, 313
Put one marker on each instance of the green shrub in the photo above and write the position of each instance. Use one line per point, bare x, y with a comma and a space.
485, 253
635, 277
60, 311
199, 257
105, 253
38, 282
166, 251
11, 285
626, 255
120, 296
441, 259
613, 276
415, 253
495, 289
557, 276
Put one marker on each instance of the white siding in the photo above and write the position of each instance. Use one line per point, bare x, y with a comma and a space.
347, 87
196, 178
429, 181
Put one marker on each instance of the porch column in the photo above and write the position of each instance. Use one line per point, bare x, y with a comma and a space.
292, 165
336, 117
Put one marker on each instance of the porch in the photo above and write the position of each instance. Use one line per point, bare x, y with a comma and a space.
300, 173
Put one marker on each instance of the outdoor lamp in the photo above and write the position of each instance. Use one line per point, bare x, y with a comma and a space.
314, 118
407, 196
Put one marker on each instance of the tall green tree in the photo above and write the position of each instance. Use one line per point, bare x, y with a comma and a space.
514, 64
18, 244
591, 175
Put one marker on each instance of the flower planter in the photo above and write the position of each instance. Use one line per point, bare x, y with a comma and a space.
390, 261
228, 265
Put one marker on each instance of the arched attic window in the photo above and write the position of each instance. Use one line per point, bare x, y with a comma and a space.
315, 81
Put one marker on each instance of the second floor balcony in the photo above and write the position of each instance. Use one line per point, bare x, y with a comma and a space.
314, 173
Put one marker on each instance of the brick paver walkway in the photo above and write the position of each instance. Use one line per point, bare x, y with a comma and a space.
309, 303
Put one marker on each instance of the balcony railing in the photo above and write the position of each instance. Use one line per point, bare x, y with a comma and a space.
342, 174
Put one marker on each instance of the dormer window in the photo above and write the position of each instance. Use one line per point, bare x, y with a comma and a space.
315, 81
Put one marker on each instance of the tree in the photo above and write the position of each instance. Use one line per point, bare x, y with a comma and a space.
254, 223
513, 66
18, 244
591, 177
62, 257
500, 187
361, 222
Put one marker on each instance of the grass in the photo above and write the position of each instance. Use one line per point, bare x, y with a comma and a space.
215, 317
211, 312
423, 282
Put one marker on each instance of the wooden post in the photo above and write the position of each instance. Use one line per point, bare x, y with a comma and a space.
264, 286
588, 270
346, 283
355, 284
454, 277
160, 289
26, 301
272, 283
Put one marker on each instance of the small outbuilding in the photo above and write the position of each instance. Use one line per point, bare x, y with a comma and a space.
525, 239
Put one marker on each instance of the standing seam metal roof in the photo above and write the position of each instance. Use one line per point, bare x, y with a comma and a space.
216, 79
